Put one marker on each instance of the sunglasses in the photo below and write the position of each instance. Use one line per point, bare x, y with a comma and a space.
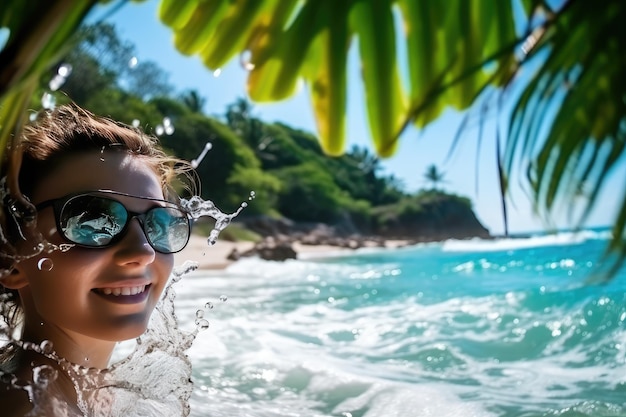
93, 220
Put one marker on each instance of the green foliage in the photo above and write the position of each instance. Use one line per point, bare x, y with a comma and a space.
435, 196
263, 190
169, 107
280, 149
434, 176
124, 107
309, 194
427, 211
193, 100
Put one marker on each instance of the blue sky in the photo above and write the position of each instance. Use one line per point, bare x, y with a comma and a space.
468, 174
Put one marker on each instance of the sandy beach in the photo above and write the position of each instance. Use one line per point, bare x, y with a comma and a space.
216, 256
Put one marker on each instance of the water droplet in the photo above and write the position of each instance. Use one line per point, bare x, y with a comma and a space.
169, 130
132, 63
200, 314
209, 305
136, 122
102, 153
202, 324
64, 70
167, 121
56, 82
217, 72
48, 101
159, 130
223, 298
252, 195
244, 205
5, 34
43, 375
46, 346
32, 116
245, 59
45, 264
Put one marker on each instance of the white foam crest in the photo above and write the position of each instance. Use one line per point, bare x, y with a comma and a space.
257, 365
513, 243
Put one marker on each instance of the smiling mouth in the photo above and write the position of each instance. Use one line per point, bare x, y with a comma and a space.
122, 291
124, 295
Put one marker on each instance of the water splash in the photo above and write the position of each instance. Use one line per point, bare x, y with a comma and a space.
184, 269
48, 101
195, 162
153, 379
197, 207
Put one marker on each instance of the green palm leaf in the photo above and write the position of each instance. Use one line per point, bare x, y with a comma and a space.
577, 97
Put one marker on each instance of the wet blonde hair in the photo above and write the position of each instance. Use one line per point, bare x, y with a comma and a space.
69, 130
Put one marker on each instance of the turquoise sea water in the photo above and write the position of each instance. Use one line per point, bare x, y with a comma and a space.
461, 328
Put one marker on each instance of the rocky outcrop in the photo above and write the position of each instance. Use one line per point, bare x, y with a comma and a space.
270, 249
437, 217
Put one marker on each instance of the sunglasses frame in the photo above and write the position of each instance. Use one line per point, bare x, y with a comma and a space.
58, 204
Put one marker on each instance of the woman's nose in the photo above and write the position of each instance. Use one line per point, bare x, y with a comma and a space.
134, 246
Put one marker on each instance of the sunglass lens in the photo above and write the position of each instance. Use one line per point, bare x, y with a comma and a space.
167, 228
91, 220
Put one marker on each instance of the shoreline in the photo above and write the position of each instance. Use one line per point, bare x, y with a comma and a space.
216, 257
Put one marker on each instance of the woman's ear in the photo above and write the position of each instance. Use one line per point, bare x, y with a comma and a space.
15, 280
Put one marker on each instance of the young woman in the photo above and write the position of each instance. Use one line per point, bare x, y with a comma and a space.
103, 193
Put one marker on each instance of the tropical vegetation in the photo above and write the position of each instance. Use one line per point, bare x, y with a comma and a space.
285, 168
566, 131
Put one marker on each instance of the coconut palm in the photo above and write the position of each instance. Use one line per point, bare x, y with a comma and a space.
193, 100
567, 126
434, 176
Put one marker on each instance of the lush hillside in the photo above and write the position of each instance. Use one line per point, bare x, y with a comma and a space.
295, 184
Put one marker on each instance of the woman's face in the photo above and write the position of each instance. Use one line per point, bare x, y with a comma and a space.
82, 291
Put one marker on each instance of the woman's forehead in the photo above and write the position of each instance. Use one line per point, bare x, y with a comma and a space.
117, 171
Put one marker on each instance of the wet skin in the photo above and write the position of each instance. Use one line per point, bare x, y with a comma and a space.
91, 298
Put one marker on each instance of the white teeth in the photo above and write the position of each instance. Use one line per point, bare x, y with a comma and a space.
123, 291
